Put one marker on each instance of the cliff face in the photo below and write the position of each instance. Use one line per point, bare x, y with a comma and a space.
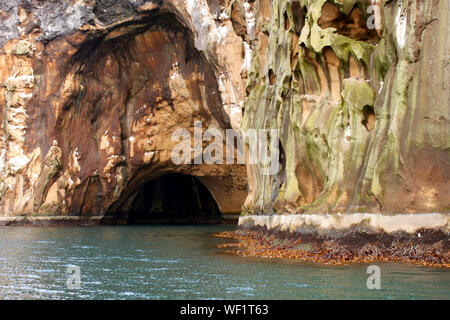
361, 99
360, 96
93, 90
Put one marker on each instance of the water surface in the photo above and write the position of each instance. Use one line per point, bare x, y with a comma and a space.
183, 262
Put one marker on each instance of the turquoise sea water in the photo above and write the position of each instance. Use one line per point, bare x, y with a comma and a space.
184, 262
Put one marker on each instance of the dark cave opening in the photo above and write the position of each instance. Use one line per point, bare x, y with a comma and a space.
173, 198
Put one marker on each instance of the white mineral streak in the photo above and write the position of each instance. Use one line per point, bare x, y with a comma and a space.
222, 32
75, 165
409, 223
223, 15
17, 95
250, 21
214, 36
375, 9
347, 134
233, 110
19, 168
18, 162
202, 21
247, 57
175, 72
381, 86
400, 22
2, 160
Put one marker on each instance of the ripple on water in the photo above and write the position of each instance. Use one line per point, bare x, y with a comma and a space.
84, 247
142, 264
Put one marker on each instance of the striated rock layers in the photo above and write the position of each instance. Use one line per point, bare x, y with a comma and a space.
92, 92
357, 89
363, 113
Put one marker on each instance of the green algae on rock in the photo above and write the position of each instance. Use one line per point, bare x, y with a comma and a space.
357, 89
362, 114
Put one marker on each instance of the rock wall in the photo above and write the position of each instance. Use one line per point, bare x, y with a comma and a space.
93, 90
360, 96
358, 91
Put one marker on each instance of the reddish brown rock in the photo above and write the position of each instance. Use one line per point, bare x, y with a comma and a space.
91, 99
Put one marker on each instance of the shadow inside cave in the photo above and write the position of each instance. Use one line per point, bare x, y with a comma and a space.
172, 198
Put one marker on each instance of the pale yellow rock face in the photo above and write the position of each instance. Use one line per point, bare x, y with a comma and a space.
365, 222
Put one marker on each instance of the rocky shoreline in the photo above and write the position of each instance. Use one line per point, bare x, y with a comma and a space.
67, 220
50, 221
329, 239
358, 243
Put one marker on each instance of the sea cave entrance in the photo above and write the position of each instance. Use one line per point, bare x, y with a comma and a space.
173, 198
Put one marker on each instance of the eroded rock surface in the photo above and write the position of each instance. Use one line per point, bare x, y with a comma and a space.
361, 99
93, 90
